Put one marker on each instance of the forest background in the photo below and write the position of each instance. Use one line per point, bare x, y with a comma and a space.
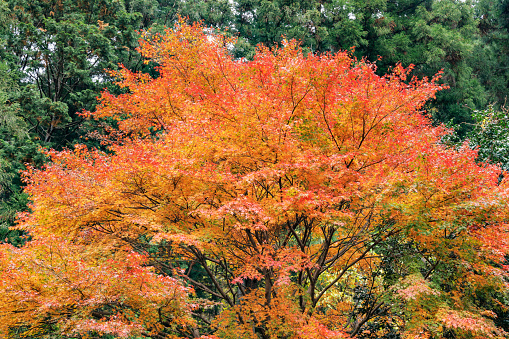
54, 55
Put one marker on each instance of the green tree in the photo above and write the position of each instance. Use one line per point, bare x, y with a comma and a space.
490, 135
54, 55
491, 57
60, 50
16, 148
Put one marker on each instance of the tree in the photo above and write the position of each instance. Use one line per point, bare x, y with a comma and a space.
53, 58
491, 61
291, 184
59, 50
490, 134
16, 148
434, 35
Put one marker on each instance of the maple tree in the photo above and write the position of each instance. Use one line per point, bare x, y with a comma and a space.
290, 196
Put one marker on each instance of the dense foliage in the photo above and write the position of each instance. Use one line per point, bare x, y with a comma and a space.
289, 196
53, 60
54, 54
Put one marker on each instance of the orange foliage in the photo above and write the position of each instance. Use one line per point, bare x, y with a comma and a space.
278, 178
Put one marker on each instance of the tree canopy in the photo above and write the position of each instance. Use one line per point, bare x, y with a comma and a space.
291, 196
54, 54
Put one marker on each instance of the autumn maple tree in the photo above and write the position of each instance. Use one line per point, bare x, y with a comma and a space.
292, 196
